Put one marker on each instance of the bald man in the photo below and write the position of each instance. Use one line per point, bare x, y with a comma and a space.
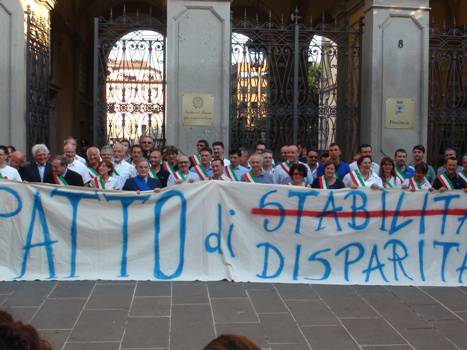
281, 172
17, 159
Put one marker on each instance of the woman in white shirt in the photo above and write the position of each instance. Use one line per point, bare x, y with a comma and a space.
7, 172
388, 175
418, 181
364, 176
105, 180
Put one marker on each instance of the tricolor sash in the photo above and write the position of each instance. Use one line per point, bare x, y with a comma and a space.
98, 182
203, 175
463, 175
414, 185
323, 183
152, 173
142, 185
92, 172
116, 172
195, 159
399, 173
178, 175
357, 178
169, 168
59, 180
249, 177
3, 177
285, 166
446, 181
230, 172
387, 183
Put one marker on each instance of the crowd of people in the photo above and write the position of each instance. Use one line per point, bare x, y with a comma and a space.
142, 167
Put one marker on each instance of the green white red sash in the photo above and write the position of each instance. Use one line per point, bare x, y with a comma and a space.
178, 175
463, 175
414, 185
99, 182
446, 181
323, 183
116, 172
387, 183
3, 177
230, 172
92, 172
248, 177
203, 175
400, 173
357, 178
196, 159
285, 166
152, 173
169, 168
59, 180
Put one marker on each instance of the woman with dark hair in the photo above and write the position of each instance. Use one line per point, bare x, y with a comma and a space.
363, 176
231, 342
18, 336
388, 174
329, 179
418, 181
105, 180
298, 173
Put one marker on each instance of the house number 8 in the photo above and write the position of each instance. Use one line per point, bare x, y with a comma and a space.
400, 44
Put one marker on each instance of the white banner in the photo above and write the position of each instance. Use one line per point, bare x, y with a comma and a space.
235, 231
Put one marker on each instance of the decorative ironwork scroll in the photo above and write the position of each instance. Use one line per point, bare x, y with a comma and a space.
131, 79
447, 118
38, 71
262, 80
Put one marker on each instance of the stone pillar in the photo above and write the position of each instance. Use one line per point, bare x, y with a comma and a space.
395, 73
13, 68
198, 62
12, 74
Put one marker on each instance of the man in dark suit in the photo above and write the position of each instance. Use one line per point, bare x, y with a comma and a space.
63, 176
142, 182
39, 170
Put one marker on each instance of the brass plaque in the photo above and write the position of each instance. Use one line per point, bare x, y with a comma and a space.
197, 109
400, 113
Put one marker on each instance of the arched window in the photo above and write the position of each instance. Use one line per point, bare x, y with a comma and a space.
135, 87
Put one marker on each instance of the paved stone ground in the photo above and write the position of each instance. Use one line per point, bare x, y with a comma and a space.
187, 315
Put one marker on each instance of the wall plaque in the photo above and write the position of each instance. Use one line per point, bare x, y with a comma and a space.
399, 113
197, 109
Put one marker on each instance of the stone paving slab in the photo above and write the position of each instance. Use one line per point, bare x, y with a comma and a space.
187, 315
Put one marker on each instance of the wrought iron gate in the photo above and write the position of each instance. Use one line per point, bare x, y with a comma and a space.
38, 71
295, 83
447, 119
129, 78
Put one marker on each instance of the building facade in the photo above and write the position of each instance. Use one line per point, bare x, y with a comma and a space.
386, 72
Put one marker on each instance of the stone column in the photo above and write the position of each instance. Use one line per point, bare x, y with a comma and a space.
395, 74
13, 68
12, 74
198, 62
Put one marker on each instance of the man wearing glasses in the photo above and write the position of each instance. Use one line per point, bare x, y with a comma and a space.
147, 145
312, 161
183, 174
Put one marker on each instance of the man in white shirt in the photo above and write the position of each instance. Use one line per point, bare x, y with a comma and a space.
183, 174
72, 141
312, 161
75, 165
122, 168
218, 152
7, 172
218, 171
365, 150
